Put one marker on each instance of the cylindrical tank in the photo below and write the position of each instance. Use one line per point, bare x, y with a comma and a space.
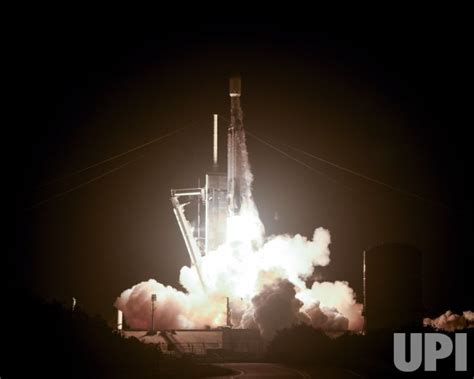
392, 287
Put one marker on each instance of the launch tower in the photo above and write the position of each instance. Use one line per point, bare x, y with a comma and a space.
221, 195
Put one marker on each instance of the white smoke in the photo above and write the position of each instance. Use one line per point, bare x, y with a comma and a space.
173, 309
336, 301
264, 277
450, 322
266, 286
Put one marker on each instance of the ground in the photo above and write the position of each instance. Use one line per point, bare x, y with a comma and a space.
271, 370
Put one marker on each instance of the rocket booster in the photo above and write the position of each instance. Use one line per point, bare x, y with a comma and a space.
236, 150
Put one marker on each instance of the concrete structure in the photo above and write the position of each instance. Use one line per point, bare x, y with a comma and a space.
392, 287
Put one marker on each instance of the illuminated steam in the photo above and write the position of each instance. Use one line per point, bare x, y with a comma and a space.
450, 322
266, 285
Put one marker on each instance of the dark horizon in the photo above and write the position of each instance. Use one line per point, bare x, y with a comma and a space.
389, 105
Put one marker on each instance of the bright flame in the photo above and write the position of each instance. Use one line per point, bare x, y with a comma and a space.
244, 228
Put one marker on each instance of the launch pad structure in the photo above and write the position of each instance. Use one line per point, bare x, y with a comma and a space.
220, 196
219, 199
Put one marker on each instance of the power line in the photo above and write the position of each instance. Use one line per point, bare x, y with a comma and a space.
155, 140
353, 172
61, 194
290, 156
370, 179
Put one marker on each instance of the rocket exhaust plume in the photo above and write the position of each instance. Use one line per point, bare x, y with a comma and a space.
264, 277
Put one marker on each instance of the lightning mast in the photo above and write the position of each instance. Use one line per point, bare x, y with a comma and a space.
216, 200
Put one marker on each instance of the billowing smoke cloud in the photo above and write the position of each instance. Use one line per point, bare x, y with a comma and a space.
264, 277
174, 309
266, 286
275, 307
450, 322
278, 306
327, 319
335, 301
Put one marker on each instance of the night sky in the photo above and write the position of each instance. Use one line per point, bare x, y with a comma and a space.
392, 104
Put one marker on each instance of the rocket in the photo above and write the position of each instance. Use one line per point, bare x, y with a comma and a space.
236, 150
